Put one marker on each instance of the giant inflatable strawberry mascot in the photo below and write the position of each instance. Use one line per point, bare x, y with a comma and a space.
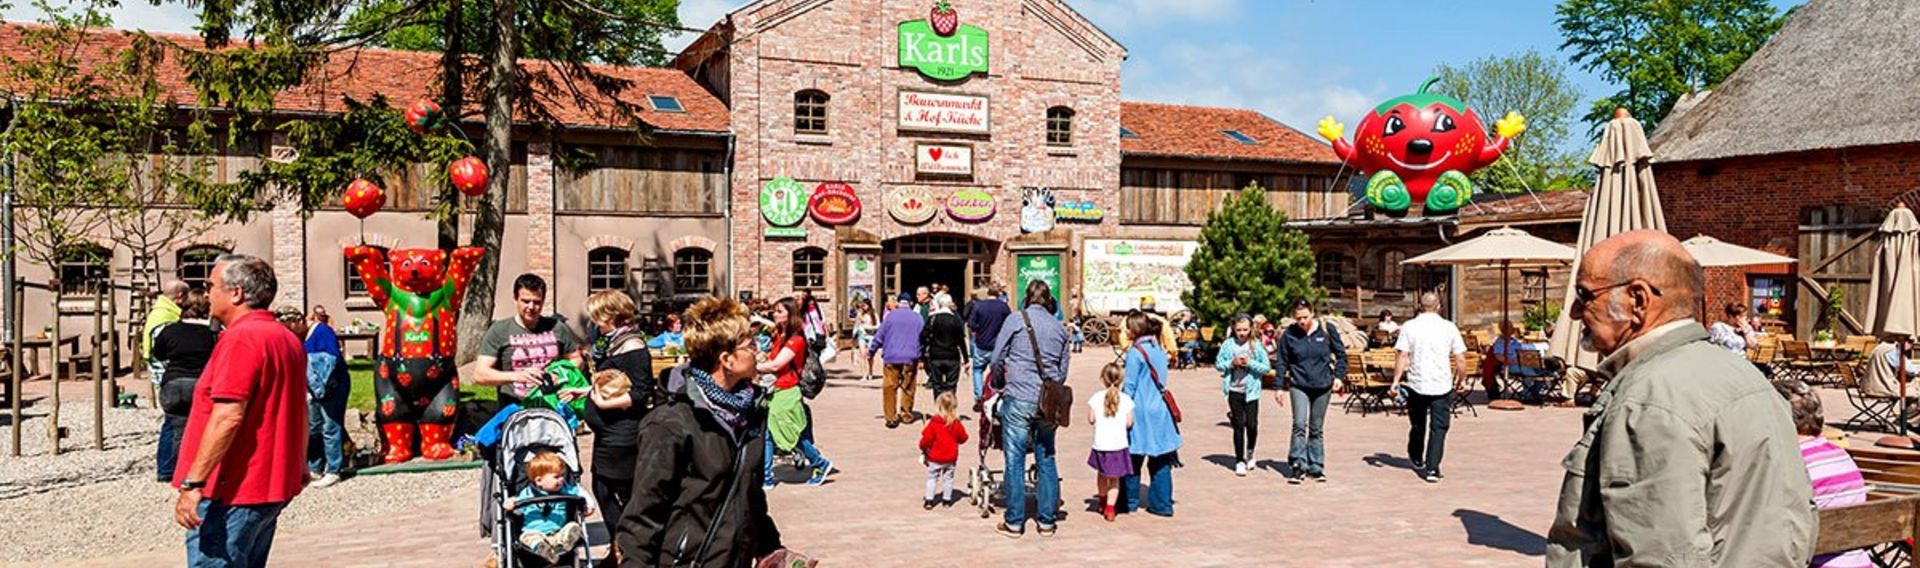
1420, 147
415, 383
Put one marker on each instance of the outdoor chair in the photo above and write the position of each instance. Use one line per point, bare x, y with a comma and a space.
1869, 412
1529, 387
1368, 376
1463, 386
1766, 355
1801, 364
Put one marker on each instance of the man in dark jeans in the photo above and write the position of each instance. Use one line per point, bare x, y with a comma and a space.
985, 316
1427, 345
943, 344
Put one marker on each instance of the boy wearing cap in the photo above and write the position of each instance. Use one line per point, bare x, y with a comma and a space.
898, 342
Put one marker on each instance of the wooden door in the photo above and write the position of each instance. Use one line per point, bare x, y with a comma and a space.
1836, 252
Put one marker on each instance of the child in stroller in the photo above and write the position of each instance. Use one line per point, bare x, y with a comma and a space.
546, 526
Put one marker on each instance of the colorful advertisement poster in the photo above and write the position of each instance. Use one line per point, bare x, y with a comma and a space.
1029, 267
1119, 272
939, 112
862, 274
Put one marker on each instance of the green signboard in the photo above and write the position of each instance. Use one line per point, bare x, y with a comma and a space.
1044, 267
783, 203
948, 57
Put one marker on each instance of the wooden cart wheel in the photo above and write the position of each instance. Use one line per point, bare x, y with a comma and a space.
1097, 332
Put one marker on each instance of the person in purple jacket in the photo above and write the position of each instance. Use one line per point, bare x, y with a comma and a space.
898, 342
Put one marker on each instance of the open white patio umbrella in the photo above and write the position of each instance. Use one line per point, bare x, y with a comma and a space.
1715, 253
1504, 247
1895, 309
1624, 199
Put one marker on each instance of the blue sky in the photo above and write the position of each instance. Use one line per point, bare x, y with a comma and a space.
1295, 60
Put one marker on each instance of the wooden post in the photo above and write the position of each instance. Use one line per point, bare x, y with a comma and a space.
53, 360
19, 371
99, 383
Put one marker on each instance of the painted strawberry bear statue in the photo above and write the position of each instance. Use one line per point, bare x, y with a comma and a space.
1420, 147
415, 383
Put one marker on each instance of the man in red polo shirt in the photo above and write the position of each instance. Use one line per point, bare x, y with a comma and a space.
245, 452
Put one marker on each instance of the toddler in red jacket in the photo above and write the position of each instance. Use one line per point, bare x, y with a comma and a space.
940, 447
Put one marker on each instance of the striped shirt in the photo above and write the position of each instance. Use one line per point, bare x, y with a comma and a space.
1836, 483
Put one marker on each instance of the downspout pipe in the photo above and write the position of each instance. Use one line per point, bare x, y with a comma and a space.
9, 310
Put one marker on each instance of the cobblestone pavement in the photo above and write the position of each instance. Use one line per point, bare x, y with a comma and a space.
1492, 510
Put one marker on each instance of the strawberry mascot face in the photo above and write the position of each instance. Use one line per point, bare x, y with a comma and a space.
420, 271
1420, 147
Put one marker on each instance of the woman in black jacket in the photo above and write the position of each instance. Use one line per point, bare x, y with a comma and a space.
1311, 357
616, 421
182, 349
695, 502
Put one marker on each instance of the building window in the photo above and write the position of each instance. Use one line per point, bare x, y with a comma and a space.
1126, 133
194, 265
84, 269
666, 103
692, 271
1333, 270
357, 288
1392, 274
810, 112
1240, 137
809, 269
1060, 126
606, 269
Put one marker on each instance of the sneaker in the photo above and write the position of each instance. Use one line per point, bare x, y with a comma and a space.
1007, 531
1433, 477
927, 504
769, 483
1047, 531
820, 472
1319, 478
1419, 465
1240, 469
891, 424
326, 481
1293, 479
1109, 513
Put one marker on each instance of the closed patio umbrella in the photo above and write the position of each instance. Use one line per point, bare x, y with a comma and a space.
1895, 309
1624, 199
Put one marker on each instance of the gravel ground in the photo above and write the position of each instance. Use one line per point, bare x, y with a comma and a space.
87, 503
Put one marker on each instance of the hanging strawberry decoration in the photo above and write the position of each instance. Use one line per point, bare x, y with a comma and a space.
943, 18
469, 175
363, 198
422, 115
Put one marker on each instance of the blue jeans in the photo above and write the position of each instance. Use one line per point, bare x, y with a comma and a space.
166, 453
1159, 493
980, 359
804, 446
1307, 455
327, 432
1020, 435
233, 536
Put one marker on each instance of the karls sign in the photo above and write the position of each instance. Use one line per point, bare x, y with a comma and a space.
942, 48
941, 112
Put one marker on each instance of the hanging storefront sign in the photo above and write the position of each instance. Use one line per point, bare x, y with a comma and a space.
943, 159
940, 112
1119, 272
783, 203
910, 206
942, 48
834, 203
1036, 210
1079, 212
971, 205
1044, 267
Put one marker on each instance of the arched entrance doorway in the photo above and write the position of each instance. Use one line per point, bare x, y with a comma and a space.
961, 262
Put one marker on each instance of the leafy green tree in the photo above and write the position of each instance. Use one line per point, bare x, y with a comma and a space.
1659, 50
1533, 85
630, 32
1249, 262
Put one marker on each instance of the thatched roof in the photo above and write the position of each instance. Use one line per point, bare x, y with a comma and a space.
1839, 74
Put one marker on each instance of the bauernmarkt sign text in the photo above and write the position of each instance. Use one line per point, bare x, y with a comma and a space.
966, 114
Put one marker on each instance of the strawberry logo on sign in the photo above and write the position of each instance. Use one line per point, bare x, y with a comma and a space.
944, 19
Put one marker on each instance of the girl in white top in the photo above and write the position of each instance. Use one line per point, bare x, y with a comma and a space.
1111, 414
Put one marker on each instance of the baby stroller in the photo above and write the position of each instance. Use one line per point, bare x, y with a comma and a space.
983, 482
524, 434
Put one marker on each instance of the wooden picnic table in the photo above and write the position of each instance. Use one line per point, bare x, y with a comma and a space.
30, 348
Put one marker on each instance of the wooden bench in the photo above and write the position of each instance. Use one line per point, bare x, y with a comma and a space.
1881, 526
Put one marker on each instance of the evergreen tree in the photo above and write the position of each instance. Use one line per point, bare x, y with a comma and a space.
1249, 262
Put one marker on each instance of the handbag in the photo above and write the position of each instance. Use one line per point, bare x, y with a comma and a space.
1056, 398
1173, 407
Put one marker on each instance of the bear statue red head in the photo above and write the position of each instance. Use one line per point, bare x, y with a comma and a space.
420, 271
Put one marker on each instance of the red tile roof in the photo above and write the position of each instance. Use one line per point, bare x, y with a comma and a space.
405, 75
1197, 132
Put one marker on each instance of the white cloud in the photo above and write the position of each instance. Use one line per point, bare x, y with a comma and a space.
699, 14
1241, 75
1121, 16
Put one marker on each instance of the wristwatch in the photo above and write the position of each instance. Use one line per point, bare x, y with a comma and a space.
191, 485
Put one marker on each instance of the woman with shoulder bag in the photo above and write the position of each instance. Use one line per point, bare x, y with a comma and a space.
1154, 440
1242, 363
1312, 355
183, 348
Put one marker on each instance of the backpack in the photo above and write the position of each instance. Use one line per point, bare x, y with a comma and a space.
813, 375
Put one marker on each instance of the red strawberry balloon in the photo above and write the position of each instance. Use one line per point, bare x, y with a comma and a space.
469, 175
363, 198
422, 115
943, 18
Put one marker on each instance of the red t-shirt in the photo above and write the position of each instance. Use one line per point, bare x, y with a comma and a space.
789, 376
259, 362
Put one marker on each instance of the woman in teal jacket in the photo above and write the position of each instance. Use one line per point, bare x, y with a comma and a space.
1242, 362
1154, 440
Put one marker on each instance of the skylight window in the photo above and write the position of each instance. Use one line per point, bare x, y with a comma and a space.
1237, 136
665, 103
1125, 133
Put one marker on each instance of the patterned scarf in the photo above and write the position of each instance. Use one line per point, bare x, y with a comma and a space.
729, 406
602, 345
